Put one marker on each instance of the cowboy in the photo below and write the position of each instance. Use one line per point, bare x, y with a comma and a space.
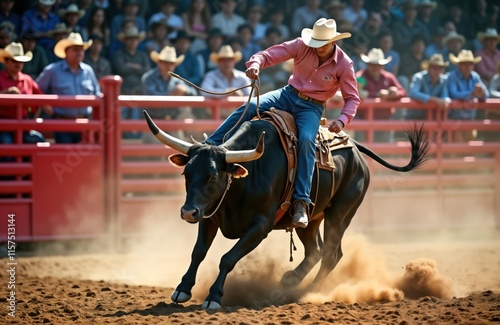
71, 16
429, 85
13, 81
159, 82
453, 44
69, 76
321, 67
61, 31
489, 53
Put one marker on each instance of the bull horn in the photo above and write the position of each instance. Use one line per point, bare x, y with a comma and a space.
239, 156
177, 144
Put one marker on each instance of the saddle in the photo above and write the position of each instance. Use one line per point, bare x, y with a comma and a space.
326, 142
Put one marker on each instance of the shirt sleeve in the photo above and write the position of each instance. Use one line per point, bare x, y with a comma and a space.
453, 89
349, 89
415, 89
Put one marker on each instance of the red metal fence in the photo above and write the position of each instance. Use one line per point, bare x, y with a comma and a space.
107, 184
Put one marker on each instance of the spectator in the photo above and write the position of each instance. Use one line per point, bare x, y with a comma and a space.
462, 24
159, 37
6, 14
114, 8
7, 34
454, 44
190, 68
386, 43
94, 57
254, 19
411, 62
13, 81
436, 45
245, 34
226, 77
369, 34
159, 82
197, 22
227, 20
87, 6
97, 25
215, 39
356, 14
71, 16
306, 16
61, 31
479, 19
335, 10
426, 10
39, 59
429, 85
167, 14
489, 53
495, 83
69, 77
406, 29
465, 84
276, 19
41, 20
275, 76
359, 50
130, 13
389, 13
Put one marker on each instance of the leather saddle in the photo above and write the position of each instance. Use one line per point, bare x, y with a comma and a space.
326, 142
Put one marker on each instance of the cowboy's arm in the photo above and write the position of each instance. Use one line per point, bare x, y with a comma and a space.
481, 84
415, 89
273, 55
349, 88
453, 89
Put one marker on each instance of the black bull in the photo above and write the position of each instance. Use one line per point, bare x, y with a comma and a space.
237, 187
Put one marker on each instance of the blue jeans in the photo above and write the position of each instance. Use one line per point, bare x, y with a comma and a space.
307, 117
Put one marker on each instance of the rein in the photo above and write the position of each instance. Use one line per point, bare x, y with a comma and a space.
255, 86
229, 180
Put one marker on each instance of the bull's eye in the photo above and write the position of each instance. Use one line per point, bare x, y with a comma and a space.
212, 178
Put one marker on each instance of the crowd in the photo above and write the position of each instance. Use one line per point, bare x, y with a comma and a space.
428, 50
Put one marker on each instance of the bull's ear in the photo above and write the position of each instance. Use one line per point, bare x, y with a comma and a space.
178, 159
237, 170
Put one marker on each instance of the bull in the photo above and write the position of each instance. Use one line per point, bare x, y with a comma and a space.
236, 187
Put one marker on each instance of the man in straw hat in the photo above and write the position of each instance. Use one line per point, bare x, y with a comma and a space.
320, 69
13, 81
429, 85
69, 76
489, 53
465, 84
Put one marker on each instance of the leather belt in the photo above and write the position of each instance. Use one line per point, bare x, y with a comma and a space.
309, 99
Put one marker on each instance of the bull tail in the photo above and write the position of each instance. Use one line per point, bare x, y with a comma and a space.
419, 150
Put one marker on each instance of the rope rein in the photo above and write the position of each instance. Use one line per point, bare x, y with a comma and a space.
229, 180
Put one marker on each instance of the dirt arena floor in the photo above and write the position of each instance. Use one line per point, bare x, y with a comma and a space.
438, 277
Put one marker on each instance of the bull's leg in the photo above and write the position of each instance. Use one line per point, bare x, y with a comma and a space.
206, 234
337, 218
312, 254
247, 243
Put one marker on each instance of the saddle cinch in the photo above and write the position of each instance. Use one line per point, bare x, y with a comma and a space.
326, 142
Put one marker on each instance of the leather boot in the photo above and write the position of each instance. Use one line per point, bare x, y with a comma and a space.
300, 218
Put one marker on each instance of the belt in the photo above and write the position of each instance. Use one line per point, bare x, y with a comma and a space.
309, 99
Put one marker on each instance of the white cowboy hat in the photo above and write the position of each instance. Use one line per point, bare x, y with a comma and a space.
60, 28
376, 56
489, 33
47, 2
15, 51
435, 59
324, 31
73, 39
131, 32
71, 9
464, 56
452, 36
167, 54
226, 52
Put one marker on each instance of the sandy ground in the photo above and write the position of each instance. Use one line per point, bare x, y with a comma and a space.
420, 277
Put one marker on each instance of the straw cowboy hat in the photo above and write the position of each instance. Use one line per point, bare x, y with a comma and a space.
452, 36
71, 9
131, 32
489, 33
226, 52
435, 59
73, 39
464, 56
376, 56
15, 52
323, 32
60, 28
167, 54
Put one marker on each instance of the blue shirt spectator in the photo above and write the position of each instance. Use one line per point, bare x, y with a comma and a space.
40, 20
6, 14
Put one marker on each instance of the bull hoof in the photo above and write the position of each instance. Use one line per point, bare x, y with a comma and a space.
290, 280
211, 305
180, 297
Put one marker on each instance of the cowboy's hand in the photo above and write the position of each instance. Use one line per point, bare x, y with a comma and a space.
178, 90
336, 126
13, 90
252, 72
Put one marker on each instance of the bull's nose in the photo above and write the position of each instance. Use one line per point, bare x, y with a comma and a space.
190, 214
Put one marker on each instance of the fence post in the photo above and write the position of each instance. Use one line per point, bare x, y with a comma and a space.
111, 89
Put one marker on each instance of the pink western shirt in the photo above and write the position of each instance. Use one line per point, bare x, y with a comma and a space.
318, 82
